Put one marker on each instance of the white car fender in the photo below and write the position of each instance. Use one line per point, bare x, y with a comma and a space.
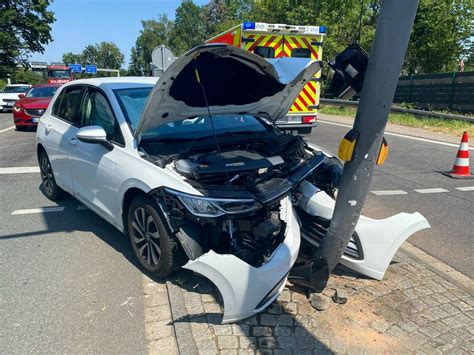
247, 290
379, 239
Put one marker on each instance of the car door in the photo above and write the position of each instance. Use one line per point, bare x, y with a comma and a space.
92, 165
60, 132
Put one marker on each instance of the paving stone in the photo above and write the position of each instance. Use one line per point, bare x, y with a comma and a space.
222, 329
267, 342
268, 319
206, 347
228, 352
275, 308
410, 293
227, 342
241, 329
379, 325
212, 308
251, 321
430, 349
282, 330
469, 346
416, 340
305, 343
395, 331
208, 298
430, 301
248, 343
286, 342
301, 332
462, 333
451, 339
430, 331
407, 326
285, 296
282, 352
156, 299
303, 352
285, 319
259, 331
463, 306
158, 330
291, 308
157, 313
201, 331
338, 346
163, 346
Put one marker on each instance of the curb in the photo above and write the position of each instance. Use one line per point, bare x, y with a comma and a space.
462, 281
182, 329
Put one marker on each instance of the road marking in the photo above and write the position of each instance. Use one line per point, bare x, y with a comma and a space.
39, 210
400, 135
20, 170
431, 191
7, 129
465, 188
389, 192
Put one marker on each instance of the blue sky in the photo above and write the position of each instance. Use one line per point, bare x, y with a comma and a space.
82, 22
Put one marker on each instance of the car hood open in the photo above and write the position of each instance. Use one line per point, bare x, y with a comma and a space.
233, 80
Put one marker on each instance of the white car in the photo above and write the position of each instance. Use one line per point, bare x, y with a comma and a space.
193, 170
11, 94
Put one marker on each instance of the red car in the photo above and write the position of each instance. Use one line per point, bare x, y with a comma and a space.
32, 105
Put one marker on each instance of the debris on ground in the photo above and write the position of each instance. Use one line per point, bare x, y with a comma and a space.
319, 301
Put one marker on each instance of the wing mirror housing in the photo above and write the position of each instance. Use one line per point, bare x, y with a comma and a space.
20, 96
94, 135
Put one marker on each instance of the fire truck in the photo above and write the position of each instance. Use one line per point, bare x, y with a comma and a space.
59, 74
280, 40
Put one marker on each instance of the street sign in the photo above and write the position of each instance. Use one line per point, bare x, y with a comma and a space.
76, 68
90, 69
162, 57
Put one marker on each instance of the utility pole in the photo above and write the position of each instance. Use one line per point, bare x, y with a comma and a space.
386, 58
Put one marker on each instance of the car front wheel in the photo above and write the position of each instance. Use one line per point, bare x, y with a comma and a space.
50, 188
156, 250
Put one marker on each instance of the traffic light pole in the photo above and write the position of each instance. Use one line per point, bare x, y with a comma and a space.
386, 58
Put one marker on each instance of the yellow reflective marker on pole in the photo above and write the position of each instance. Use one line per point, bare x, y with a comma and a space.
383, 152
347, 145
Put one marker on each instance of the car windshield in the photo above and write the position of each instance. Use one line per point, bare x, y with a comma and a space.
58, 73
42, 91
132, 102
15, 89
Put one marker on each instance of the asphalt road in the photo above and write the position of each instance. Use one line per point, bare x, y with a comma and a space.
69, 280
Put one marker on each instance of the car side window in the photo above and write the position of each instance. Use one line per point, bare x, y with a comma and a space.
70, 104
96, 111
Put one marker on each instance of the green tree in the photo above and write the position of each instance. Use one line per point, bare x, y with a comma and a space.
153, 33
439, 34
24, 28
71, 58
28, 76
189, 29
134, 69
103, 55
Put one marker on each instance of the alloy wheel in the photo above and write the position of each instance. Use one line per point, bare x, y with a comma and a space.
47, 175
146, 237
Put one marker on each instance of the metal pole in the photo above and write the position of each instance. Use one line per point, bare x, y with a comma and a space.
386, 58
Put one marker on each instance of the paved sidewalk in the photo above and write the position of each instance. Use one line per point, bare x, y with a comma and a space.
413, 310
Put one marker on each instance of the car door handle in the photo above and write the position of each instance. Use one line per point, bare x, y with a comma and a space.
73, 140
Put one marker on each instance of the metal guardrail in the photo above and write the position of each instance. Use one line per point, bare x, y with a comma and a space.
421, 113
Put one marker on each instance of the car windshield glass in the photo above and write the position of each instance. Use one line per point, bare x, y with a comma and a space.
61, 74
42, 91
132, 101
202, 127
15, 89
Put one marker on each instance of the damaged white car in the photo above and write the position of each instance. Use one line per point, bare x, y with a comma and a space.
194, 170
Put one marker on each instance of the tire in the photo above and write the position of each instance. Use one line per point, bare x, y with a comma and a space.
50, 188
156, 250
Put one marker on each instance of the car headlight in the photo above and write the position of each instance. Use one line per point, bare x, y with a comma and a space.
201, 206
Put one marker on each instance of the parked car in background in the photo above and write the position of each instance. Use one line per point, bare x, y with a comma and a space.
31, 106
10, 94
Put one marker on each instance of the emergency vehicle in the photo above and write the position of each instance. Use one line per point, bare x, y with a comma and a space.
280, 40
59, 74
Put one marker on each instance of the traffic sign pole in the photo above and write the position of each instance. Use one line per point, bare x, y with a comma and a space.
386, 58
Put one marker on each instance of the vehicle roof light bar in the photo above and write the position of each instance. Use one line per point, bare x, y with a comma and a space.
283, 28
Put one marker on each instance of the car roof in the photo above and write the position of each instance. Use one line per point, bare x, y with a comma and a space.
114, 82
46, 85
18, 85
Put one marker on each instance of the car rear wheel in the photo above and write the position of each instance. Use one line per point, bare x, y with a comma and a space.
156, 250
50, 188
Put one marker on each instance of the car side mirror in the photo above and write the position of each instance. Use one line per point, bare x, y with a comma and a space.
94, 135
21, 96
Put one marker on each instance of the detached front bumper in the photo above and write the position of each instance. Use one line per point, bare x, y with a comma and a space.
247, 290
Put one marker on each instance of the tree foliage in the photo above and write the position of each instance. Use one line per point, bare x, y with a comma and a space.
24, 28
440, 37
103, 55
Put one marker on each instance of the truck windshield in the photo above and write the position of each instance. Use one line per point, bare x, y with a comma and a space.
59, 74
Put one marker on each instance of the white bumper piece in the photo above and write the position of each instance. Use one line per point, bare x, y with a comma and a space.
379, 239
247, 290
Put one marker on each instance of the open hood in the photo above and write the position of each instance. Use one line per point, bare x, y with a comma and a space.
234, 81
